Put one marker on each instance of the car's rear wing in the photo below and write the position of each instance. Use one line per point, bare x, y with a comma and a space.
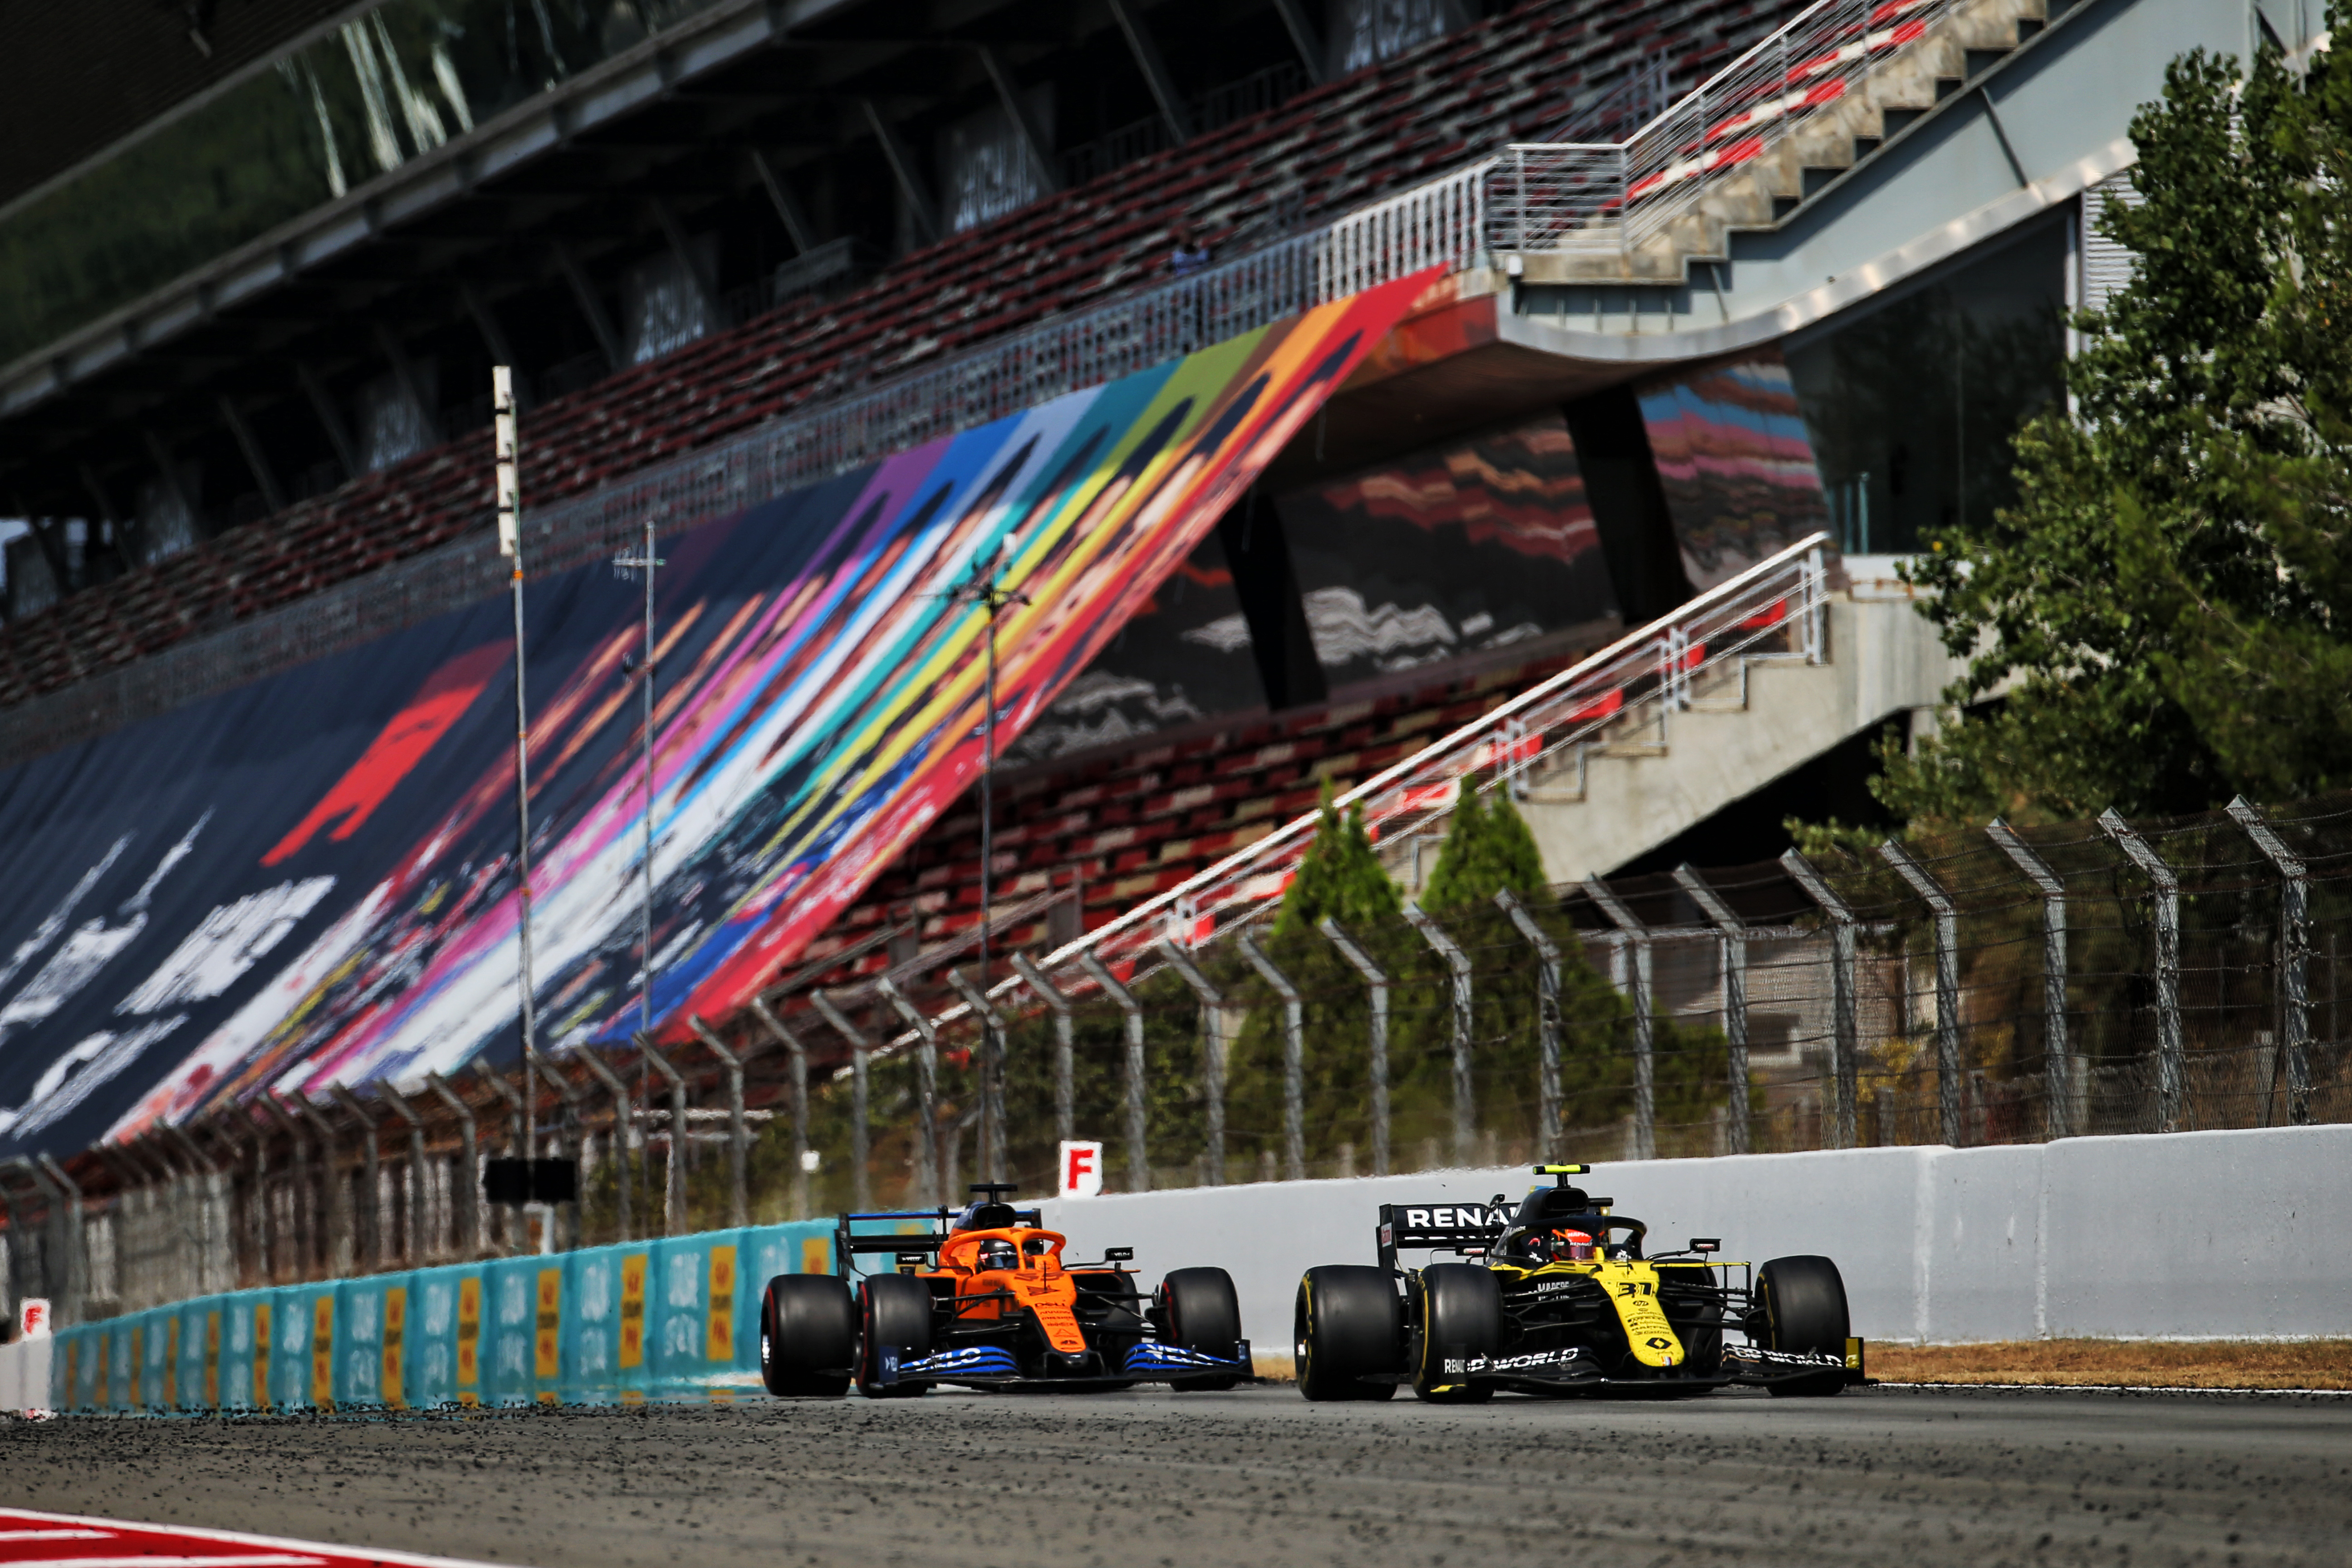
1449, 1225
908, 1245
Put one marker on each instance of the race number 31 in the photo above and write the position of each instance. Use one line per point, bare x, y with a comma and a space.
1081, 1170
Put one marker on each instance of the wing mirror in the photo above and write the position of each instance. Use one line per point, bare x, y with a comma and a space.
1119, 1255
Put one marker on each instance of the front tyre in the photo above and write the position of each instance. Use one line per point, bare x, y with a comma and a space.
808, 1336
1204, 1312
1350, 1323
1804, 1303
897, 1318
1461, 1321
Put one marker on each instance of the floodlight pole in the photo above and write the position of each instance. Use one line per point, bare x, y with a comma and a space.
509, 500
985, 589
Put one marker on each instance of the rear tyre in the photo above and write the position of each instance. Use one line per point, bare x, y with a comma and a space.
896, 1317
1461, 1320
1803, 1302
1350, 1323
1204, 1312
808, 1336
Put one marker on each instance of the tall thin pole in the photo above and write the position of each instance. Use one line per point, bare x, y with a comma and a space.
646, 562
510, 498
983, 589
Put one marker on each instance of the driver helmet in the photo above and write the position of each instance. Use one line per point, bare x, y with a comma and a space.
1571, 1245
998, 1253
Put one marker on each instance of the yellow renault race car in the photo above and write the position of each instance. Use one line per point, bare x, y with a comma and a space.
1563, 1299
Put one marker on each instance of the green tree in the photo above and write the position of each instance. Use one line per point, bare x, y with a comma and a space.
2165, 613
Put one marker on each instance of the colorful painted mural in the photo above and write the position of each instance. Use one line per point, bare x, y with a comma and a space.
1735, 462
311, 879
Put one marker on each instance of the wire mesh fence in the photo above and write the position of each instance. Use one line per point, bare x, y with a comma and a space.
1999, 986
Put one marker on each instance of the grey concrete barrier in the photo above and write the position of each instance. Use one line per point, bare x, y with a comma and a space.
2233, 1234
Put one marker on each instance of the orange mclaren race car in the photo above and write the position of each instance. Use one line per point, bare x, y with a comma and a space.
985, 1298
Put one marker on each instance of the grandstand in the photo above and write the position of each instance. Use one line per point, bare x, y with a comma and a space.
1558, 386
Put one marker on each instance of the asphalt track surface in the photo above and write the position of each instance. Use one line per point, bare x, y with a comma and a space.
1149, 1480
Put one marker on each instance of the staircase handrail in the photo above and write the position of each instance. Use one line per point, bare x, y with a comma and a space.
1728, 120
1797, 570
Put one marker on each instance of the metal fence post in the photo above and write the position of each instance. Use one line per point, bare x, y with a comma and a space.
1732, 949
1465, 1103
1845, 1049
1212, 1058
2058, 1086
225, 1128
1065, 1109
512, 1096
994, 1161
2171, 1065
860, 1055
371, 1218
739, 1138
570, 1140
1547, 1130
2294, 958
1376, 982
1138, 1166
342, 1254
1947, 985
412, 1244
470, 1209
1645, 1080
1294, 1057
926, 1091
674, 1184
624, 1107
304, 1205
796, 1055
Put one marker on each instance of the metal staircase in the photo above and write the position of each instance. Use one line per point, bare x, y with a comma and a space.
1775, 128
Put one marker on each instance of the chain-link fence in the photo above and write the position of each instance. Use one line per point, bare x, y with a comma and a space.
1989, 987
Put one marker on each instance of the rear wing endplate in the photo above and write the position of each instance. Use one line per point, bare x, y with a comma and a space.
1446, 1226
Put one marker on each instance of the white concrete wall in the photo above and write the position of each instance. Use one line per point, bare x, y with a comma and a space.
2189, 1236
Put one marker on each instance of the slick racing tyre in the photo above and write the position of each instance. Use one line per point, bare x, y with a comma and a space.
1461, 1320
1350, 1323
808, 1335
1204, 1312
1803, 1300
897, 1318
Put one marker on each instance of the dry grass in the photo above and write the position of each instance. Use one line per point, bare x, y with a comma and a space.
2125, 1363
